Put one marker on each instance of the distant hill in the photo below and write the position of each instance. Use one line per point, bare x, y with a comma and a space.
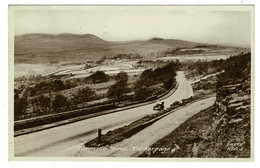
43, 47
47, 48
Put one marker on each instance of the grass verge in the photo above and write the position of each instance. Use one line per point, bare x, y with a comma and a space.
185, 136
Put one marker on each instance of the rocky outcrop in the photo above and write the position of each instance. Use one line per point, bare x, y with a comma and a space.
231, 127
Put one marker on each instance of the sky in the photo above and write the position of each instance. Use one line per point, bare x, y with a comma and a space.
222, 24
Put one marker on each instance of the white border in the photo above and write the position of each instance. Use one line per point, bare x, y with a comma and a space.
4, 86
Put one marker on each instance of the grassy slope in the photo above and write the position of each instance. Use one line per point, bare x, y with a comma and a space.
221, 131
40, 48
44, 47
185, 136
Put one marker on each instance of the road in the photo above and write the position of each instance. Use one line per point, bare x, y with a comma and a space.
138, 143
58, 140
207, 76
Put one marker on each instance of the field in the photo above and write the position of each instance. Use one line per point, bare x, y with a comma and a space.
50, 68
79, 86
68, 48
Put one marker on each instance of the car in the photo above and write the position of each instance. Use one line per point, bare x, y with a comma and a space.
158, 106
176, 103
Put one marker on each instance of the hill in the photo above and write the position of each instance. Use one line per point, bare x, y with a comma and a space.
34, 48
47, 48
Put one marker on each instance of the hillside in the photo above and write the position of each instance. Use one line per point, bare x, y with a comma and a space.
224, 130
34, 48
47, 48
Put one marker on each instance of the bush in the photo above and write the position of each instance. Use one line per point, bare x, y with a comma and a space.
20, 106
84, 95
142, 93
235, 68
165, 74
41, 104
49, 86
98, 77
59, 102
120, 88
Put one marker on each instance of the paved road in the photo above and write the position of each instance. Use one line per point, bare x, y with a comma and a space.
56, 141
138, 143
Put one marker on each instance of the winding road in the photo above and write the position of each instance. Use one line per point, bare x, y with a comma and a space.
141, 141
64, 140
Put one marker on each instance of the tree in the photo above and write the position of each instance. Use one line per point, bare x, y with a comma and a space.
122, 78
58, 85
99, 77
146, 78
44, 103
59, 102
237, 66
202, 66
168, 82
20, 106
142, 93
41, 104
75, 100
86, 94
120, 88
168, 70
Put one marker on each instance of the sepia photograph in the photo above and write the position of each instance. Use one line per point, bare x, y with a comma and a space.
133, 82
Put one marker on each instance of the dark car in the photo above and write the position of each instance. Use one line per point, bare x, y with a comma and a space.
158, 106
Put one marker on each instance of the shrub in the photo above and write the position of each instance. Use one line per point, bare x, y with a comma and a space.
98, 77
